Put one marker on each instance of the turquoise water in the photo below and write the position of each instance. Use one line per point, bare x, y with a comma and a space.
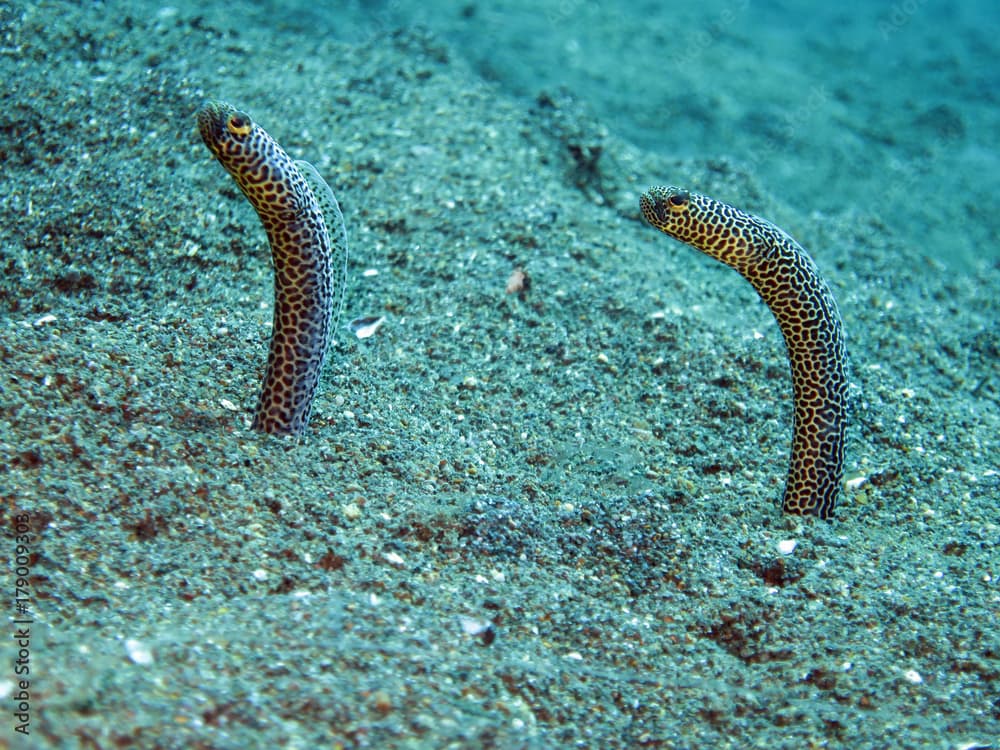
888, 109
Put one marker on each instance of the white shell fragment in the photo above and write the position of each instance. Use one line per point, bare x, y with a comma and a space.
393, 559
138, 652
855, 482
472, 626
787, 546
364, 328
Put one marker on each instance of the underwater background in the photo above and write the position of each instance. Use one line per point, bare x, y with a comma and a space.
539, 506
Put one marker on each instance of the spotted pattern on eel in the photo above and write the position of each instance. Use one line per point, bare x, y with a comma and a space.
787, 279
308, 241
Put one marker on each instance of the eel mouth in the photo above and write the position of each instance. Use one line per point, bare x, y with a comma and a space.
653, 209
646, 205
211, 124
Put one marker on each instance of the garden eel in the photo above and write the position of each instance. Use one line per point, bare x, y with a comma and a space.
787, 279
309, 249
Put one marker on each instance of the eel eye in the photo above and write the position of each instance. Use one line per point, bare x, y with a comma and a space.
677, 201
239, 124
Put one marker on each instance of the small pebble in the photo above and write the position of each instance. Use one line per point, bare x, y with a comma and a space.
382, 701
519, 282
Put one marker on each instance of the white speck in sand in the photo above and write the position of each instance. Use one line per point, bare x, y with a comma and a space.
138, 652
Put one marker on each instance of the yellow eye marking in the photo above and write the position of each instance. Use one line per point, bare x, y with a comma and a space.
239, 124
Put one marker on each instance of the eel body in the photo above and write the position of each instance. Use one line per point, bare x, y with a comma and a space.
787, 279
308, 239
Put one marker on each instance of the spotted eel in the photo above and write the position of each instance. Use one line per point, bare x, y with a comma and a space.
308, 240
787, 279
